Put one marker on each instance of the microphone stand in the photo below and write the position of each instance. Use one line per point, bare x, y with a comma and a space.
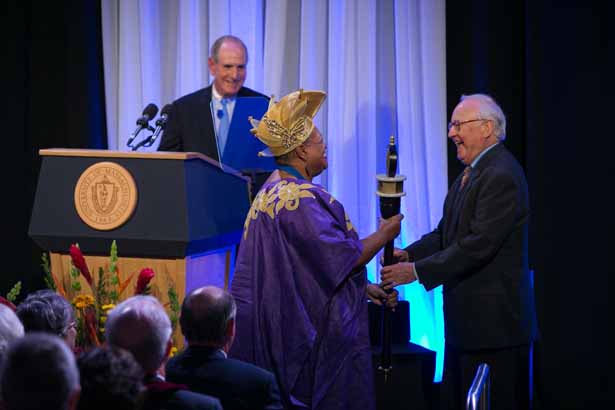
390, 190
144, 142
134, 135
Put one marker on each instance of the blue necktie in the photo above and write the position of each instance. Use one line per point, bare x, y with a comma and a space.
223, 125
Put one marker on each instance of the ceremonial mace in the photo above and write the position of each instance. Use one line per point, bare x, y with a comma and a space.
390, 190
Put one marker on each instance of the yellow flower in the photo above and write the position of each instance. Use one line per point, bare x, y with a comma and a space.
108, 307
103, 319
173, 351
83, 301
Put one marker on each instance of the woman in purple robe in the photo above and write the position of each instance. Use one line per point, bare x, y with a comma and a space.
300, 283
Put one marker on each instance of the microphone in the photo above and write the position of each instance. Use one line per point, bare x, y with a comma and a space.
149, 113
161, 122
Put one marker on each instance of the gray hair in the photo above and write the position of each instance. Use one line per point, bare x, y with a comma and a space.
46, 311
490, 110
215, 47
10, 328
140, 325
205, 315
39, 372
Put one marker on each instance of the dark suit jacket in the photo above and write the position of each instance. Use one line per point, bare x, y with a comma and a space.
190, 127
162, 395
479, 253
237, 384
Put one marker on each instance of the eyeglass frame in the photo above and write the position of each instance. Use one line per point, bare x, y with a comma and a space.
71, 325
458, 124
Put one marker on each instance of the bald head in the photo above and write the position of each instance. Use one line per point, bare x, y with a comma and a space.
140, 325
208, 317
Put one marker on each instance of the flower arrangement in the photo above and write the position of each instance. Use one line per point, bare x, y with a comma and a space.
102, 294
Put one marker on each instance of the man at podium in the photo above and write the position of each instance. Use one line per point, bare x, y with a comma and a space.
197, 118
300, 283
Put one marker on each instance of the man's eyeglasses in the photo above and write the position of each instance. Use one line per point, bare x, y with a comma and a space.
71, 325
458, 124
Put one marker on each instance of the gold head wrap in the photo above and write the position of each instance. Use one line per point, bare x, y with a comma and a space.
287, 123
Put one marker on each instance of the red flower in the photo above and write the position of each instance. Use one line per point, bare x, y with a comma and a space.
90, 326
145, 276
79, 262
8, 303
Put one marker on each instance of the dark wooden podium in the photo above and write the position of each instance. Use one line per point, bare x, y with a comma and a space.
186, 221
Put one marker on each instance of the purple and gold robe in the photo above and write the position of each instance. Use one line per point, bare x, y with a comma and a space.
301, 309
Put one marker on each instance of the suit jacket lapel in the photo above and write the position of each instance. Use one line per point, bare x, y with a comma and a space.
450, 209
206, 124
459, 197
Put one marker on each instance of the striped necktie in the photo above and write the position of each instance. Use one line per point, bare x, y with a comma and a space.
465, 177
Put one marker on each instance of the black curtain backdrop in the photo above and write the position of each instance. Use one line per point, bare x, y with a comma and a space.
545, 63
56, 93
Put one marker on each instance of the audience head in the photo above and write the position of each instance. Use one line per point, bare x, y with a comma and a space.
227, 65
39, 372
10, 328
140, 325
47, 311
208, 317
110, 378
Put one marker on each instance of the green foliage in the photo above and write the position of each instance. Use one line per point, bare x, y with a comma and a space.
74, 274
14, 292
113, 258
174, 305
80, 340
49, 282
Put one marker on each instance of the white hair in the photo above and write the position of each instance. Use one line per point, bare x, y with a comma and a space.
140, 325
489, 110
10, 327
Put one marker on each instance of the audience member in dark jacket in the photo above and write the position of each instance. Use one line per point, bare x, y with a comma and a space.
141, 326
208, 324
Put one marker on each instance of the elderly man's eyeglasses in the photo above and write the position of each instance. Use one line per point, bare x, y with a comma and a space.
72, 325
458, 124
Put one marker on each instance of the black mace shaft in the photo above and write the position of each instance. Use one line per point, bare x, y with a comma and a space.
390, 191
388, 208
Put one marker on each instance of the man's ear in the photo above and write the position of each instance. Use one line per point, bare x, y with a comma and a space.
490, 127
229, 335
230, 329
169, 347
301, 152
211, 63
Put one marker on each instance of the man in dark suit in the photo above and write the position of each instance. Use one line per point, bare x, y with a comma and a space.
208, 324
196, 119
479, 253
141, 325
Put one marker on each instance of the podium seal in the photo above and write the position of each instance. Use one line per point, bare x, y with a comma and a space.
105, 196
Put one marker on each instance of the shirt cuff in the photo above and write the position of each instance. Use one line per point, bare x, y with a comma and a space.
416, 273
